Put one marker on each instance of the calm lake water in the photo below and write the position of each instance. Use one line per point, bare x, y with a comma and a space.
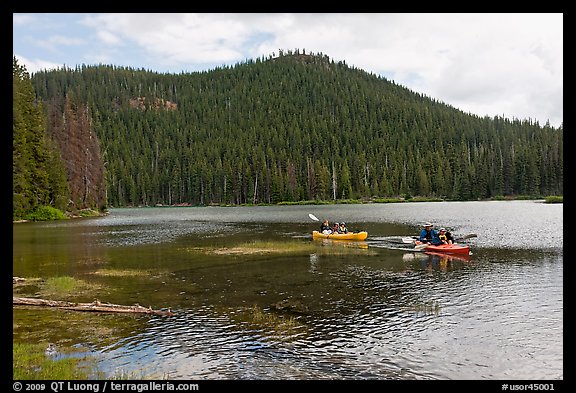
321, 310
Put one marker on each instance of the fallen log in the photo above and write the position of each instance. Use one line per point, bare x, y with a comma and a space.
95, 306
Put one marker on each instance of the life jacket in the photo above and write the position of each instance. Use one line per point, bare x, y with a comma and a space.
443, 238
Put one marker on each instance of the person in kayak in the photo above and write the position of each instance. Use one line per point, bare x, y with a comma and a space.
442, 236
343, 228
325, 228
445, 236
429, 235
336, 228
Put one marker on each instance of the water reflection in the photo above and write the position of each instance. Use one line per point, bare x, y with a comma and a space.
436, 260
327, 310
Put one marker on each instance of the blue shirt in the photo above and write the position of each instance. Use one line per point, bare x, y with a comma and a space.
430, 236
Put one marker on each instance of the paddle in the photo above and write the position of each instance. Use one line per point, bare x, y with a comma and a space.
422, 246
469, 236
410, 239
312, 216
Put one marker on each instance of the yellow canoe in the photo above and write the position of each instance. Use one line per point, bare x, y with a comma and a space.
341, 236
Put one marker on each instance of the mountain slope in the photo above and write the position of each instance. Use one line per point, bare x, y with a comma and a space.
297, 127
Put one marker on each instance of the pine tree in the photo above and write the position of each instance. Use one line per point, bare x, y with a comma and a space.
37, 173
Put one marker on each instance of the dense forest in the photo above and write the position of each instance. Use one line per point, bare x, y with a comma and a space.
292, 127
55, 154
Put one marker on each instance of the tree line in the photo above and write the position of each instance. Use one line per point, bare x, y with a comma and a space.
291, 127
55, 153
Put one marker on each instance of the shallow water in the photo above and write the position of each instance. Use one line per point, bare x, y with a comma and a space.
356, 310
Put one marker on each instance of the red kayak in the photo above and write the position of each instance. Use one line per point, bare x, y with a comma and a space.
445, 248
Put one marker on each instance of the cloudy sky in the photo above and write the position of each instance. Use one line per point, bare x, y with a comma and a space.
490, 64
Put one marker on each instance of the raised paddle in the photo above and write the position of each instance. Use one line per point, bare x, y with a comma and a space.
468, 236
312, 216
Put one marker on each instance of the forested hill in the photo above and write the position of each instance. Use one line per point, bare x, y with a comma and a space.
296, 127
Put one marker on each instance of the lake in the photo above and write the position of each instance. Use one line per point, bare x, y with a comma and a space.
255, 297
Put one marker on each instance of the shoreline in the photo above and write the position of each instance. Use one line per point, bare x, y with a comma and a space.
86, 213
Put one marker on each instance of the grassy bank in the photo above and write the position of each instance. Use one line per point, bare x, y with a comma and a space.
49, 213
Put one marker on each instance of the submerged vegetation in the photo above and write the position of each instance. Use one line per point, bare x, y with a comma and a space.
37, 359
337, 247
59, 285
266, 247
34, 362
123, 273
31, 362
425, 308
280, 324
65, 286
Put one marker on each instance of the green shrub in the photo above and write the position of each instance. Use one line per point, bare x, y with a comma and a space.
554, 199
349, 201
45, 213
389, 200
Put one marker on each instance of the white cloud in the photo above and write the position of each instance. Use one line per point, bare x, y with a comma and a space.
177, 38
108, 38
489, 64
35, 65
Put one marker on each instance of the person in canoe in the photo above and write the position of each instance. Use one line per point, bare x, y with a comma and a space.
325, 228
429, 235
343, 228
445, 236
336, 228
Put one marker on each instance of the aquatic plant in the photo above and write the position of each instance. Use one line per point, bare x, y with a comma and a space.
62, 286
279, 324
425, 308
33, 362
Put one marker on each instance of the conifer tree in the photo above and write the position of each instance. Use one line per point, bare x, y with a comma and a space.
37, 173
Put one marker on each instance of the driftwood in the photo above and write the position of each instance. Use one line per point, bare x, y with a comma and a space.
96, 306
